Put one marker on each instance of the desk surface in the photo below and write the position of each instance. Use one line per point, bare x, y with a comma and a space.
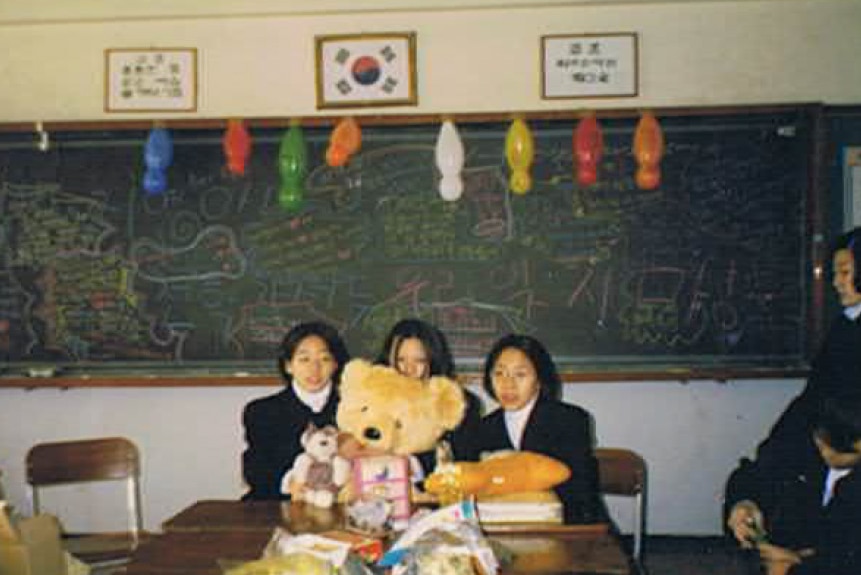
208, 531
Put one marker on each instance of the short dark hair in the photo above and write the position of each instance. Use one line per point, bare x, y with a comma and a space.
439, 355
837, 421
851, 241
550, 385
324, 331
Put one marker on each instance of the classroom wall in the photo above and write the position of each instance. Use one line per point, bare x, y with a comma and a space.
472, 58
482, 59
692, 436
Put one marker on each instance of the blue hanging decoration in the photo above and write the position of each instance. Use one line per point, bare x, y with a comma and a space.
293, 166
158, 154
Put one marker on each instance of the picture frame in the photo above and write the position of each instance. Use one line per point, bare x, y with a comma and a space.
359, 70
590, 66
151, 80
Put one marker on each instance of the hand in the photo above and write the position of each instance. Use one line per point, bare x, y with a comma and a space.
297, 490
745, 521
777, 560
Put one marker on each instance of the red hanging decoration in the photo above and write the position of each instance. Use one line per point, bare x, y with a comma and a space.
648, 151
588, 149
237, 146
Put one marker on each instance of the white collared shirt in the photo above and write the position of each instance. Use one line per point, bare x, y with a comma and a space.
515, 422
316, 400
853, 311
834, 475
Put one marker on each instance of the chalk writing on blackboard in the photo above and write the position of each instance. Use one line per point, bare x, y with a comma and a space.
212, 273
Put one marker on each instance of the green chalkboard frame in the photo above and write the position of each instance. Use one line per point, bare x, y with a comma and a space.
618, 368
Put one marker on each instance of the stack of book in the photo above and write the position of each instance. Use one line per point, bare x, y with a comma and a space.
527, 507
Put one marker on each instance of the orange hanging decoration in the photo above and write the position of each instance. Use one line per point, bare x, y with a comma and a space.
588, 149
237, 146
346, 140
648, 151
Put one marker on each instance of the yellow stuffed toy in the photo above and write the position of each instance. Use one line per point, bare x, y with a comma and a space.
387, 412
504, 473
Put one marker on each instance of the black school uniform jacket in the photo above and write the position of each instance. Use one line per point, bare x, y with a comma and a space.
273, 429
835, 370
790, 496
561, 431
460, 438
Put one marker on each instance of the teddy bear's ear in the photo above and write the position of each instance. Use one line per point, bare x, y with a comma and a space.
355, 372
310, 430
450, 401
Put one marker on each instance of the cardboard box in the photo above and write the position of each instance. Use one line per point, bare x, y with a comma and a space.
30, 547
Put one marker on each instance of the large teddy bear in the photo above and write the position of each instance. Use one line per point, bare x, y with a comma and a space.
387, 412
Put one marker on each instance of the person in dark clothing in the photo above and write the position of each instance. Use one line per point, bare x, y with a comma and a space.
418, 349
311, 358
803, 514
521, 376
836, 369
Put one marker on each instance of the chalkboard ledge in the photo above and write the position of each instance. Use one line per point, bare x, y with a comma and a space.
652, 374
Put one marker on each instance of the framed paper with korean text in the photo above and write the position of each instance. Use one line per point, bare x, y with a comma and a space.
589, 66
357, 70
151, 80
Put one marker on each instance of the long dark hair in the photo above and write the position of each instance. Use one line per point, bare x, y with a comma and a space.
550, 386
440, 360
837, 421
322, 330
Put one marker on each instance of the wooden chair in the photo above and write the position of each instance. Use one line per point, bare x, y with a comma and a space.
623, 472
91, 460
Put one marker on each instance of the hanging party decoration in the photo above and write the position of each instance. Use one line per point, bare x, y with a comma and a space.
449, 160
648, 151
158, 154
345, 141
588, 149
519, 151
292, 165
237, 146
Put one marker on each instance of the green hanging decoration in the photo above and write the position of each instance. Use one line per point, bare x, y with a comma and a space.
293, 166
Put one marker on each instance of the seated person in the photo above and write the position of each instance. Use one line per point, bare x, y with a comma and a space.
419, 350
310, 361
521, 376
803, 514
836, 367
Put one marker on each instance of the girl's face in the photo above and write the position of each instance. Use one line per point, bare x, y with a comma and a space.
411, 358
312, 364
844, 278
514, 379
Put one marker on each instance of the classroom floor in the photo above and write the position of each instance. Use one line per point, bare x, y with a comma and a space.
691, 556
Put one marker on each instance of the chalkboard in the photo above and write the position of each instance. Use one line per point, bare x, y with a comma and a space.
711, 268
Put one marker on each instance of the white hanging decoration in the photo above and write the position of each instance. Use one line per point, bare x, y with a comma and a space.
449, 160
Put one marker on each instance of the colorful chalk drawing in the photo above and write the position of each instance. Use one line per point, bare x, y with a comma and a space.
95, 272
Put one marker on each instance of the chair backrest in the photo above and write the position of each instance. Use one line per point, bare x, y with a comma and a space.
623, 472
87, 460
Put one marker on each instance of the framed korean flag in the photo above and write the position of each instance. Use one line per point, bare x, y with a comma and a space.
355, 70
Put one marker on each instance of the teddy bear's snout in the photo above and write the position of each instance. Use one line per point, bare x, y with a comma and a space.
372, 433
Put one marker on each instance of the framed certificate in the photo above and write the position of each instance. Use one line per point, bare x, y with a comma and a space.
589, 66
151, 80
358, 70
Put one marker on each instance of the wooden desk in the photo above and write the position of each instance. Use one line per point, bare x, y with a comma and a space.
196, 538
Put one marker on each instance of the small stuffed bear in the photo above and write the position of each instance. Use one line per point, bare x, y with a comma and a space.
319, 472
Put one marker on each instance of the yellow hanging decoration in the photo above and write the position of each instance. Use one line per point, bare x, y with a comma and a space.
519, 151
